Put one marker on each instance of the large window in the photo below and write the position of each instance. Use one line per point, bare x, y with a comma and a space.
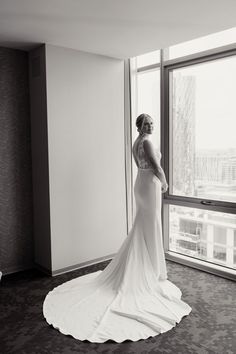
197, 118
202, 130
201, 158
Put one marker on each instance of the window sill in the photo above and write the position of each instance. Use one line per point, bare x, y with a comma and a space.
201, 265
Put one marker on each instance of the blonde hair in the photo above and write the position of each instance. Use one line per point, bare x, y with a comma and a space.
141, 120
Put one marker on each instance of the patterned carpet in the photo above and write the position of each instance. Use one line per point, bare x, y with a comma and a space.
210, 327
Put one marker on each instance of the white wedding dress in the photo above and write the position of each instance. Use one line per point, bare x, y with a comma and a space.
131, 298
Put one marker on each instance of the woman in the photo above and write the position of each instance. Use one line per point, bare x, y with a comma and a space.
132, 297
144, 124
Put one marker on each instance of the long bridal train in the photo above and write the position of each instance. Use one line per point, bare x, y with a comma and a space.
132, 297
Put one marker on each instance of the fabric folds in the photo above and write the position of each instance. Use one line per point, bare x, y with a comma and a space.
132, 297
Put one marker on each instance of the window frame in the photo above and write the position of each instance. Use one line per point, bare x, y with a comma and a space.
168, 199
222, 206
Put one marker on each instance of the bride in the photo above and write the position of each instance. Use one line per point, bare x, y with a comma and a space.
132, 297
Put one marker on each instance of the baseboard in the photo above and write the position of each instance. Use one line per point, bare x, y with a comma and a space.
74, 267
16, 269
81, 265
43, 269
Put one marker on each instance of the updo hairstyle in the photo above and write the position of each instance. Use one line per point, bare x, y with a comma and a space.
140, 121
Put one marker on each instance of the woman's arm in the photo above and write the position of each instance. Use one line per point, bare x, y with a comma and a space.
157, 169
134, 156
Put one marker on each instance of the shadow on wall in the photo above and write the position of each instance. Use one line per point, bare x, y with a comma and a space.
16, 220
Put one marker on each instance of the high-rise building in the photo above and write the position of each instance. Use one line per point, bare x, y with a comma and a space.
183, 128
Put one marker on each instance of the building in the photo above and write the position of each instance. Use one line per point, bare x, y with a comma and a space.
183, 138
210, 236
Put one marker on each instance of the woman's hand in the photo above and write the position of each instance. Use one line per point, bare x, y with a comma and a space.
164, 187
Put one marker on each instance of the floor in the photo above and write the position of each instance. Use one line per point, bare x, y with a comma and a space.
210, 327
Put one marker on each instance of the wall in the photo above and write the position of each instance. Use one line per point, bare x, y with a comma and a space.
40, 168
85, 108
16, 223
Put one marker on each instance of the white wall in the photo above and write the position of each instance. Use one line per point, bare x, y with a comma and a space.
85, 98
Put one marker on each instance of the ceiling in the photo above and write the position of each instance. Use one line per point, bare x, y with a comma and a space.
116, 28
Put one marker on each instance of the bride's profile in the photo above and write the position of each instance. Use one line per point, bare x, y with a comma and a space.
131, 298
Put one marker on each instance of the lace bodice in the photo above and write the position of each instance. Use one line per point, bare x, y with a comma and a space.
143, 162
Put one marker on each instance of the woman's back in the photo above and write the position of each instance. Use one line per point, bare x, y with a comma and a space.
140, 156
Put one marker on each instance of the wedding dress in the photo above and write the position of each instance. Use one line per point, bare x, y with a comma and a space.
132, 297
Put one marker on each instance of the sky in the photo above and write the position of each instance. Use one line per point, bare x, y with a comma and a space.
215, 103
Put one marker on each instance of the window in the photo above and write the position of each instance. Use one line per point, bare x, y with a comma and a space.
202, 130
149, 99
198, 145
204, 234
201, 158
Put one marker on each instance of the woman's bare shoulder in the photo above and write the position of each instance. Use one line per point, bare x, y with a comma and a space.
148, 145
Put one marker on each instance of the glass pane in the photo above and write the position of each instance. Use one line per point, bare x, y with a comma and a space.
147, 101
202, 130
201, 44
195, 232
148, 59
219, 253
220, 235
